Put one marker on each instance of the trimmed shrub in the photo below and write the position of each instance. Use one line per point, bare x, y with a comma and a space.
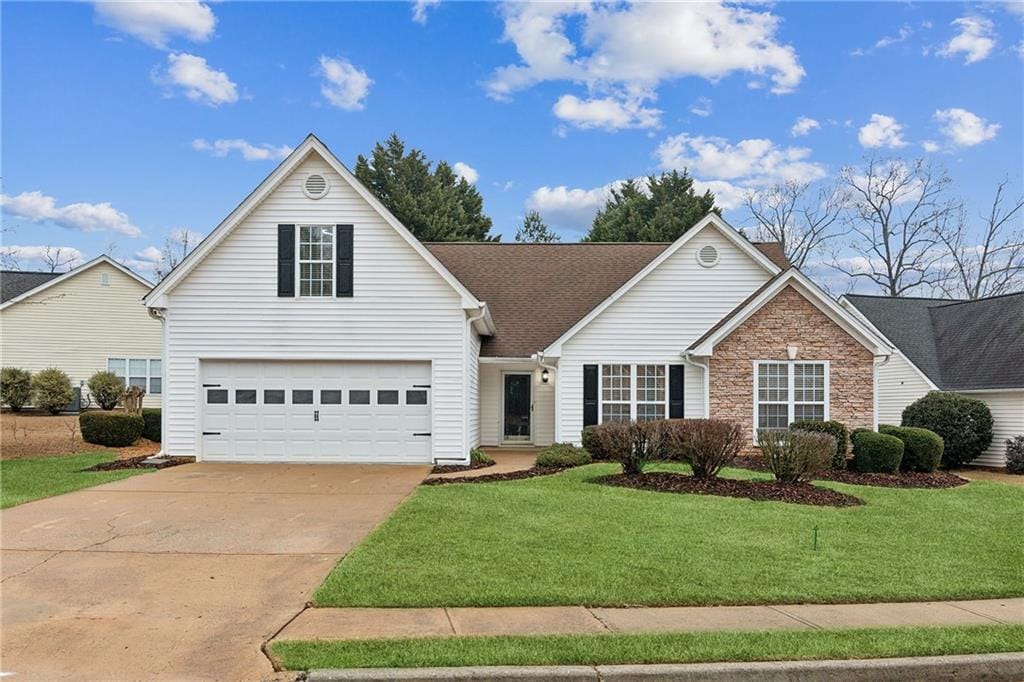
876, 453
563, 455
592, 443
833, 428
113, 429
796, 456
107, 388
151, 420
51, 390
1015, 455
964, 424
15, 388
633, 444
476, 455
922, 449
706, 445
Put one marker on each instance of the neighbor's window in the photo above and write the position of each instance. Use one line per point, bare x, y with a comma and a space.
316, 260
633, 392
791, 391
141, 372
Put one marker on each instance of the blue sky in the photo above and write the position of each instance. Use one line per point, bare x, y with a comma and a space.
123, 122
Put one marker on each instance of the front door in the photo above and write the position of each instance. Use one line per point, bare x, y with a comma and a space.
517, 407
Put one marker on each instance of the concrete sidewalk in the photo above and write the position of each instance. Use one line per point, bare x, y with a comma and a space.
328, 623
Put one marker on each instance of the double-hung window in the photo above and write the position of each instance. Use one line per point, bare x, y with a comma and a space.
146, 373
316, 260
631, 392
786, 392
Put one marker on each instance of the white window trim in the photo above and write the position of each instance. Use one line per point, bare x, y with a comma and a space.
790, 393
149, 372
633, 389
332, 260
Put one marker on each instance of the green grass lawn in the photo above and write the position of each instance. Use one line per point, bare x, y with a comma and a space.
563, 539
687, 647
24, 480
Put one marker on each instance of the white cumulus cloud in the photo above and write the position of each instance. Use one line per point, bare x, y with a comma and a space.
198, 80
975, 41
931, 146
420, 9
248, 151
155, 23
964, 128
881, 131
466, 172
37, 207
703, 107
607, 113
753, 162
804, 126
344, 85
570, 208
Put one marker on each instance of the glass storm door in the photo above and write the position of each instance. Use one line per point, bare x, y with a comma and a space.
517, 407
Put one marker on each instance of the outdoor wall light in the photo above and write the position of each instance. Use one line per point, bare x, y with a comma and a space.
544, 376
791, 350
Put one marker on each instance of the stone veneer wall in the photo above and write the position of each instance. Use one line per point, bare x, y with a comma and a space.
791, 320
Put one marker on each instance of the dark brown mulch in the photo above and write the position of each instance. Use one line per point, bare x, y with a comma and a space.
452, 468
904, 479
137, 463
532, 472
800, 493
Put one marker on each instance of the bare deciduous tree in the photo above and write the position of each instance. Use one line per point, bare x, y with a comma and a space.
56, 258
988, 262
802, 221
176, 247
896, 210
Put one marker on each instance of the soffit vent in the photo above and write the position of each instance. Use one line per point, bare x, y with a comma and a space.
315, 186
707, 256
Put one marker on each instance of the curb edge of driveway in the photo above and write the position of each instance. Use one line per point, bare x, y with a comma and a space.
1002, 666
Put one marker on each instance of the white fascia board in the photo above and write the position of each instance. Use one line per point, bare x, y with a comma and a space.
157, 297
876, 343
76, 271
711, 219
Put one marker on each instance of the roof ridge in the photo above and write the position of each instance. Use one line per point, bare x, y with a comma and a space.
473, 243
908, 298
979, 300
33, 272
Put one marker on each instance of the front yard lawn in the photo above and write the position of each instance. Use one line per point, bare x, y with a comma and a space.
561, 540
687, 647
24, 480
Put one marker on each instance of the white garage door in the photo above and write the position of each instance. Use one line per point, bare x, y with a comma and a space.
316, 411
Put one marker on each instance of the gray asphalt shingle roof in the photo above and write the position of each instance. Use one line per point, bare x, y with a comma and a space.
959, 345
14, 283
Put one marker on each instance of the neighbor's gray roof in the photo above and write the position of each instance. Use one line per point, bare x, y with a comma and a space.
14, 283
959, 345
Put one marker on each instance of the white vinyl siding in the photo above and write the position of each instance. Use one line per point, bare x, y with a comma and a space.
228, 308
1007, 421
898, 385
658, 319
491, 390
77, 324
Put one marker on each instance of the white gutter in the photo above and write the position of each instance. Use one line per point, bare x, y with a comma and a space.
706, 374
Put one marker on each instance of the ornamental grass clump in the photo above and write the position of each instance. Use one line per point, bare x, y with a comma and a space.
796, 456
706, 445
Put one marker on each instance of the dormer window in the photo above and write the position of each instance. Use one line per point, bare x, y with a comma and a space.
316, 260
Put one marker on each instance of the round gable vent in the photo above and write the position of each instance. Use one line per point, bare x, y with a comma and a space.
315, 186
707, 256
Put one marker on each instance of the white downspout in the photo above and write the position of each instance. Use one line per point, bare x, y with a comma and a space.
481, 312
874, 389
706, 381
161, 314
538, 357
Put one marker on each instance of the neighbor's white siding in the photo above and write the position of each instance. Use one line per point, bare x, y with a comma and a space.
79, 323
899, 384
1007, 421
491, 392
402, 310
658, 319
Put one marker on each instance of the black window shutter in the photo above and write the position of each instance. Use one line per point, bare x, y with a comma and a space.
344, 236
675, 391
286, 260
589, 395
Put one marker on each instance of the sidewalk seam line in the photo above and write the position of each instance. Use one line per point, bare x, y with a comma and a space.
796, 618
451, 623
598, 619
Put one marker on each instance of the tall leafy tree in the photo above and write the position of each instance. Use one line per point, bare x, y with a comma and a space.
535, 230
435, 204
668, 208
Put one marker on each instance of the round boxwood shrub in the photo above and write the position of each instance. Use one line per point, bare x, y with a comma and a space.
922, 449
833, 428
151, 419
107, 388
563, 455
593, 443
113, 429
876, 452
51, 390
964, 424
1015, 455
15, 388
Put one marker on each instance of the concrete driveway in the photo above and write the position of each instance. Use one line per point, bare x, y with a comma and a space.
182, 573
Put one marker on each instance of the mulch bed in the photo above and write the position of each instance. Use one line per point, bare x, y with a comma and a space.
725, 487
904, 479
532, 472
452, 468
137, 463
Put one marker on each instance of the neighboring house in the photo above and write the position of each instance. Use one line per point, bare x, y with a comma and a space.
310, 325
82, 321
971, 347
